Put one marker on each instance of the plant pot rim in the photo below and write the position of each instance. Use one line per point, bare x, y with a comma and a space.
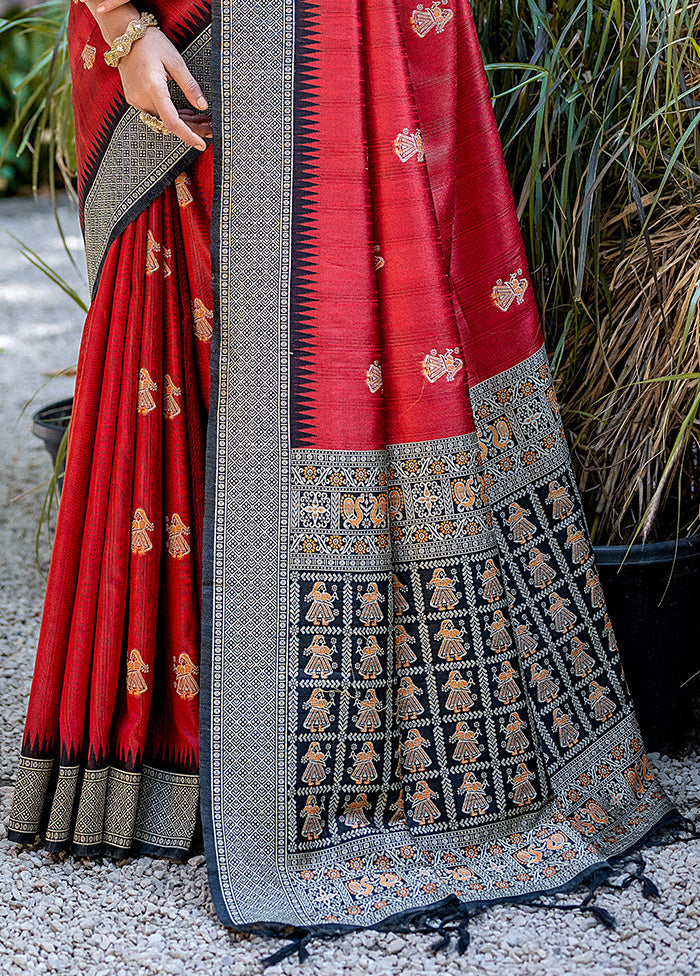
649, 552
39, 417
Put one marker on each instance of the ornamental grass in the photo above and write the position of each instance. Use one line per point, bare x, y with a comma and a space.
598, 105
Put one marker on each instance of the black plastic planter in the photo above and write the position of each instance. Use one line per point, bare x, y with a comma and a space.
653, 599
49, 425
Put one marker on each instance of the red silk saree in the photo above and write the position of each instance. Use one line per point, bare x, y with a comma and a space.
367, 635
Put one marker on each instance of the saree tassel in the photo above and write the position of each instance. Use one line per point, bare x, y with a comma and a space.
296, 945
637, 866
463, 934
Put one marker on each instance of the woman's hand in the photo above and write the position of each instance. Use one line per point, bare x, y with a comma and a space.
110, 5
146, 70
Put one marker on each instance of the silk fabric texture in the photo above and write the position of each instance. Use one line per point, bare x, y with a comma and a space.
409, 690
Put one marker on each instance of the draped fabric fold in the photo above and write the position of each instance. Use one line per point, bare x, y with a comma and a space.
411, 688
110, 756
411, 695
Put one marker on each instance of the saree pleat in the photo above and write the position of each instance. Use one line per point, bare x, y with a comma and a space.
112, 730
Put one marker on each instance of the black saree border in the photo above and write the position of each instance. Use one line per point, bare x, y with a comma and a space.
205, 798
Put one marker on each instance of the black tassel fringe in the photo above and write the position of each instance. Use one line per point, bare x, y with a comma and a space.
450, 920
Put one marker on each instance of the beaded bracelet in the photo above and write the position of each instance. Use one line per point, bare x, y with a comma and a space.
122, 45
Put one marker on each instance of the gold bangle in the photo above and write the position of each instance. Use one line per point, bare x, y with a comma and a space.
153, 122
122, 45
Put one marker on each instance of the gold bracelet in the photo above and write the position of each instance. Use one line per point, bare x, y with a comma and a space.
153, 122
123, 44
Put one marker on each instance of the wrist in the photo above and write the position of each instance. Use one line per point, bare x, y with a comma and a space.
113, 23
123, 44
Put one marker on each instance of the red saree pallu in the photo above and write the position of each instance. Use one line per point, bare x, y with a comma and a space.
410, 697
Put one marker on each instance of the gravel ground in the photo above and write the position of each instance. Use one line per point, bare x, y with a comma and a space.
70, 916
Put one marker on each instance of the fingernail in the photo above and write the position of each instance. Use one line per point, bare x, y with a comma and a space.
202, 103
101, 9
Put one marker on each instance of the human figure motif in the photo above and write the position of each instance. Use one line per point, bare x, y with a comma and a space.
370, 665
400, 602
562, 618
507, 690
540, 570
182, 184
521, 529
315, 770
144, 398
167, 270
577, 543
423, 809
407, 704
405, 657
445, 596
475, 801
582, 661
414, 757
136, 667
176, 532
203, 328
320, 663
459, 698
603, 707
140, 527
516, 741
567, 731
171, 408
467, 748
523, 791
152, 248
312, 827
398, 810
500, 639
185, 681
370, 611
321, 612
547, 687
318, 707
491, 584
354, 815
593, 587
524, 641
364, 770
367, 718
452, 647
559, 499
610, 633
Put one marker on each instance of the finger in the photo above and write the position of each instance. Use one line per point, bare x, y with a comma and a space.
199, 122
204, 131
190, 115
167, 113
181, 74
107, 5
